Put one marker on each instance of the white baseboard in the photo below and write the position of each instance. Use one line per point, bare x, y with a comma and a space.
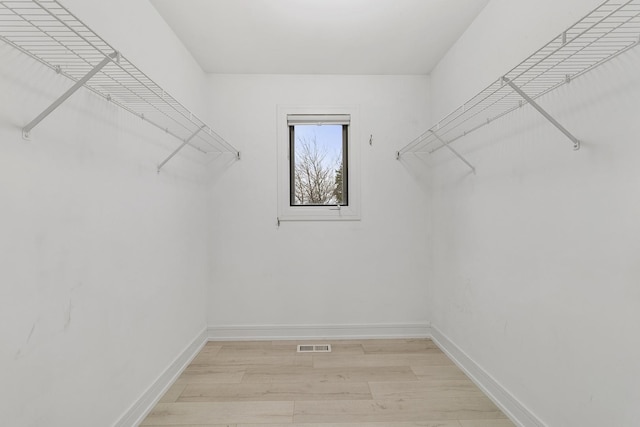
302, 332
511, 406
141, 408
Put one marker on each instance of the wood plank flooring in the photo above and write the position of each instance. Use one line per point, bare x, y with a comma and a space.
368, 383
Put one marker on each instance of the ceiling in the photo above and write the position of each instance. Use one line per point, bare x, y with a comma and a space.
318, 36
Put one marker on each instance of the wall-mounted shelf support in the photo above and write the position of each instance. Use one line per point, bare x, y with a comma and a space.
26, 131
458, 155
186, 141
534, 104
608, 31
48, 32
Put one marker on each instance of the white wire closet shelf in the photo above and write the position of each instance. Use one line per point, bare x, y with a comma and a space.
51, 34
611, 29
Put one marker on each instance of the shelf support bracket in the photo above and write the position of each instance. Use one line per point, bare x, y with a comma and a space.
534, 104
458, 155
26, 131
186, 141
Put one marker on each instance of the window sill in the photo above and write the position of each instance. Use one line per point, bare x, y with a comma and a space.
319, 213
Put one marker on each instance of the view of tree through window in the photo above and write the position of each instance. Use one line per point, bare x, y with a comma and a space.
318, 165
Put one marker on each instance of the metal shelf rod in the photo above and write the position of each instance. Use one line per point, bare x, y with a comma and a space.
26, 131
534, 104
458, 155
186, 141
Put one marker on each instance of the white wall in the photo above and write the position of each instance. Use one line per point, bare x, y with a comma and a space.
103, 262
530, 266
536, 257
372, 270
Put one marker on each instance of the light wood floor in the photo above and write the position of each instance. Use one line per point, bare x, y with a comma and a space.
368, 383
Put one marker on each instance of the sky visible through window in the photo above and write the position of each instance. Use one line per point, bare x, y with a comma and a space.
328, 137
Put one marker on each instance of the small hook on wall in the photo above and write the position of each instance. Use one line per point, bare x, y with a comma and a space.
371, 140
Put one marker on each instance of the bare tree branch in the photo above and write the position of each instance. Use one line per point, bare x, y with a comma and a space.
314, 179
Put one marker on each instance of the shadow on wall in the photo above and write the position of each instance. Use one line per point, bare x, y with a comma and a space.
524, 136
418, 167
518, 137
422, 166
217, 164
90, 126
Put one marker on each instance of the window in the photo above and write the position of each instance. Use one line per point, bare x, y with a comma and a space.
318, 160
317, 164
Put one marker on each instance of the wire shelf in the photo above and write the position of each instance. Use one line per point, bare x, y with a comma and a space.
608, 31
51, 34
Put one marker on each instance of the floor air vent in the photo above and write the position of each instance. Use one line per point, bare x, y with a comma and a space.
322, 348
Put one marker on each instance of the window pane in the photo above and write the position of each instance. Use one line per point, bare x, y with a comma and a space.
318, 165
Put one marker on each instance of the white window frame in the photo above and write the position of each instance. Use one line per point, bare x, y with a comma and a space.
286, 212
